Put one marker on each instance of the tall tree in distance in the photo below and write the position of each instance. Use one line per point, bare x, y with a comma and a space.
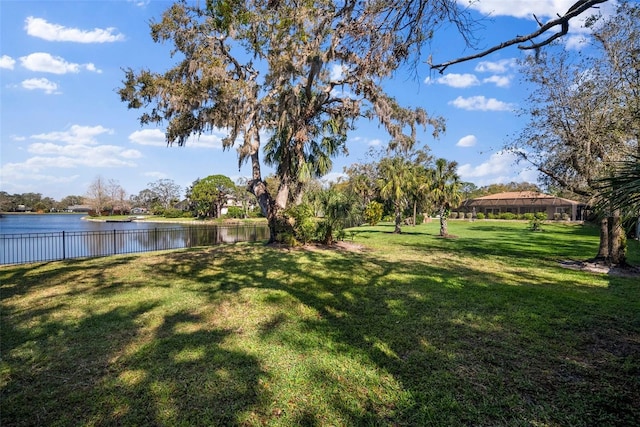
97, 195
166, 192
445, 191
210, 194
395, 180
117, 197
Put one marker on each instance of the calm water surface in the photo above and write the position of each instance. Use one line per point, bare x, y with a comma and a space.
46, 237
48, 223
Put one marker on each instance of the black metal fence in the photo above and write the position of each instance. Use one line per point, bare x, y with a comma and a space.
38, 247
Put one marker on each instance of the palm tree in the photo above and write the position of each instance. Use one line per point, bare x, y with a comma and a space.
339, 211
621, 191
445, 190
395, 180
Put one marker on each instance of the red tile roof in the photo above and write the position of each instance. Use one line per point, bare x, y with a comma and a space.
524, 195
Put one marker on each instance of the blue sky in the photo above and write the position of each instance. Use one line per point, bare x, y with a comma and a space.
62, 123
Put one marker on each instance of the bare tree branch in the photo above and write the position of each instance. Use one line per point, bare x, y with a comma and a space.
578, 8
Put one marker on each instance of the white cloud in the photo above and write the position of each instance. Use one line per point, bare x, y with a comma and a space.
91, 67
44, 62
156, 175
375, 142
7, 62
498, 67
480, 103
70, 149
140, 3
333, 177
206, 141
498, 163
14, 173
544, 10
157, 138
38, 27
75, 135
575, 42
153, 137
458, 80
47, 86
501, 167
337, 72
341, 92
499, 81
520, 8
77, 151
467, 141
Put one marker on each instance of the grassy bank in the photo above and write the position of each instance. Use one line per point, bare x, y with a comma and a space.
484, 329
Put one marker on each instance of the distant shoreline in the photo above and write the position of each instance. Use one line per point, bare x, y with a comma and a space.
178, 221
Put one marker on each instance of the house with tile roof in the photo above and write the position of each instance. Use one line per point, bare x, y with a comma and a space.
521, 202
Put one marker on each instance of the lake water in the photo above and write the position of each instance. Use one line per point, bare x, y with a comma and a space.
47, 237
49, 223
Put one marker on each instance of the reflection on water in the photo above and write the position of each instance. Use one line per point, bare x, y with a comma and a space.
47, 246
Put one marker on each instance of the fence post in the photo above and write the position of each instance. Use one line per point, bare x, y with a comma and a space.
114, 242
155, 237
64, 252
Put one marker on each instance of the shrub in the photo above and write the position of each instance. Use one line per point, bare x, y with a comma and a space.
565, 216
556, 216
542, 216
536, 223
480, 215
256, 212
507, 215
373, 212
304, 226
469, 215
172, 213
491, 216
288, 239
453, 215
234, 212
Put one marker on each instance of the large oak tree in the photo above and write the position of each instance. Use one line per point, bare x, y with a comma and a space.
584, 115
298, 74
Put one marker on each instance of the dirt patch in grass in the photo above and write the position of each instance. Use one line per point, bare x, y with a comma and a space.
602, 268
336, 246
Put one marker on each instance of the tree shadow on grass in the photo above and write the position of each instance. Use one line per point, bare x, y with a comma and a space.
463, 344
24, 279
115, 366
358, 339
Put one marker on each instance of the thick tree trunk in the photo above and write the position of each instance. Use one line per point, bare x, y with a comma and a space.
258, 188
616, 240
415, 212
444, 229
398, 228
612, 249
603, 249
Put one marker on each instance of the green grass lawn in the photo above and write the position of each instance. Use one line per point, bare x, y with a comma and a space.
485, 329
